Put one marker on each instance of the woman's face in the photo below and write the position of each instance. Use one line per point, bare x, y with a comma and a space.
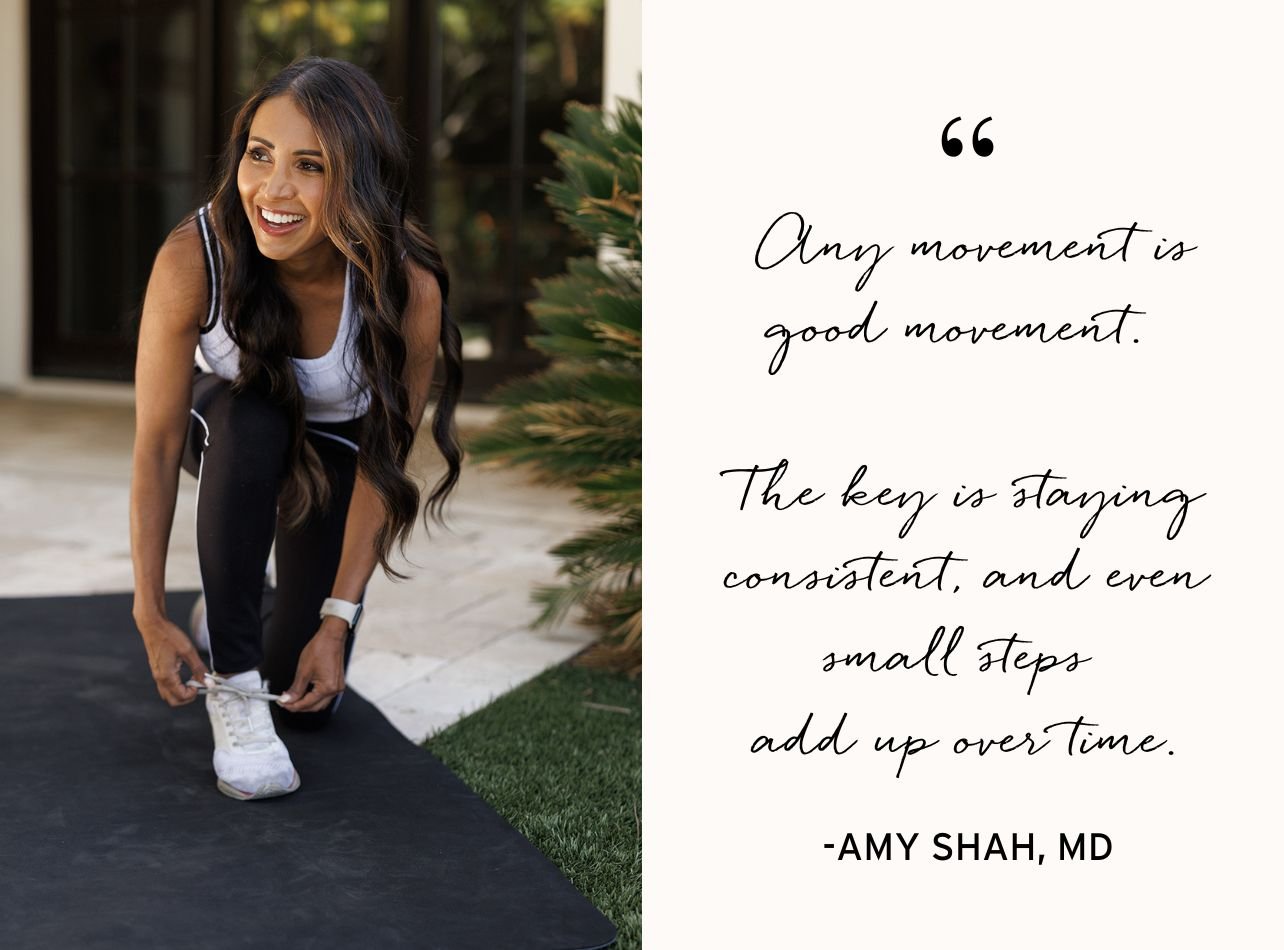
283, 173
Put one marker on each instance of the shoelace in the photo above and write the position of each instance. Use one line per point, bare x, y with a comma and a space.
217, 684
248, 723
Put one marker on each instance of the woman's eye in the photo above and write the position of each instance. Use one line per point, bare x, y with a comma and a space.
258, 155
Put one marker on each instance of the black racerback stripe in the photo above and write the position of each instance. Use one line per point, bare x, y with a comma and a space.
212, 269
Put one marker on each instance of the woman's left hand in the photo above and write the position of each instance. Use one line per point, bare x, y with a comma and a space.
320, 668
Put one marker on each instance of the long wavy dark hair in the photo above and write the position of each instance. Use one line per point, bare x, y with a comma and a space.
365, 214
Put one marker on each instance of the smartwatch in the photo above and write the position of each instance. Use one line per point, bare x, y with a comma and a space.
334, 607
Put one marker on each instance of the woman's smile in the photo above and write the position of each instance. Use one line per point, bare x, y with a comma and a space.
279, 223
282, 181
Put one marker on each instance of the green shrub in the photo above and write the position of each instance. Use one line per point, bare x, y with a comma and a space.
579, 421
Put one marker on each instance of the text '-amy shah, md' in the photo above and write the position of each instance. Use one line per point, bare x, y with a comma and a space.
969, 846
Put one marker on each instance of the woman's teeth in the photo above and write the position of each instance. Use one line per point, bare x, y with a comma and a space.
280, 219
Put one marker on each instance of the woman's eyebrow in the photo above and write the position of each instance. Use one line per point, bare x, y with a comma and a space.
297, 151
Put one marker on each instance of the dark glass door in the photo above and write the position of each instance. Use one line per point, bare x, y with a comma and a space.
132, 99
502, 71
116, 161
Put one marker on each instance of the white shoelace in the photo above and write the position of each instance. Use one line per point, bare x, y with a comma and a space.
217, 684
248, 722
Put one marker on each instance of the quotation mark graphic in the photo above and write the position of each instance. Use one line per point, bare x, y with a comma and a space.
954, 148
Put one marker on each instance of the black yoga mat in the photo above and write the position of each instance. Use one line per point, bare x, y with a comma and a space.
112, 833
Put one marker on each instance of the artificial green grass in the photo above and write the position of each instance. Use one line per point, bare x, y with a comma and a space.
567, 774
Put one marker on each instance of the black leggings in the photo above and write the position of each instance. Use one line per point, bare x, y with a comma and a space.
236, 448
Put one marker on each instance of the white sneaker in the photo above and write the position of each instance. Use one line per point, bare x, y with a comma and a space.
250, 760
199, 627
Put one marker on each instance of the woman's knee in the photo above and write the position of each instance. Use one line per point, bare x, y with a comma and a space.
256, 419
248, 430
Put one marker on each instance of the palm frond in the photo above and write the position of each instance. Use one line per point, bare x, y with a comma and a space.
579, 421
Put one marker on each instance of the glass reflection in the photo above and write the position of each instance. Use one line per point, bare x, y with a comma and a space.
273, 33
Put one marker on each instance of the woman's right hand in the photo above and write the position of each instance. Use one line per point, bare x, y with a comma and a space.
168, 648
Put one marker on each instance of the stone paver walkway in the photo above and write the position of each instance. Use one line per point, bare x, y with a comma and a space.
429, 650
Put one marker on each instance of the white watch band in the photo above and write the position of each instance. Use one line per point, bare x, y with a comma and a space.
346, 609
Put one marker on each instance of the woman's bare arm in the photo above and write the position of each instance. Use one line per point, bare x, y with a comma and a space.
323, 666
172, 311
365, 513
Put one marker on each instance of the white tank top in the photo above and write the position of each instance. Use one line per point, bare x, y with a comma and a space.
332, 385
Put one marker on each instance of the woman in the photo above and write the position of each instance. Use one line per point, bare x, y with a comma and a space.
314, 305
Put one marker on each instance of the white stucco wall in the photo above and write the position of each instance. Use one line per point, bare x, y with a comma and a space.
15, 248
623, 55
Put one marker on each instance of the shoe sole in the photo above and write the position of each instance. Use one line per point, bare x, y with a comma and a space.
271, 791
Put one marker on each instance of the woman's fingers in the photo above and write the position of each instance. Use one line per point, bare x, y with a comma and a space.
168, 658
321, 668
302, 679
172, 688
314, 701
192, 658
185, 693
298, 699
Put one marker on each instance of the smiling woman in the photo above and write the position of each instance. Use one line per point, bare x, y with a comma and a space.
282, 189
315, 306
266, 171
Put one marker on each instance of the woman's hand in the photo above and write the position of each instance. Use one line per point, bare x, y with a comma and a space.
320, 667
168, 648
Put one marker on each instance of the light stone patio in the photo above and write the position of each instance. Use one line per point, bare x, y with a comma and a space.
429, 650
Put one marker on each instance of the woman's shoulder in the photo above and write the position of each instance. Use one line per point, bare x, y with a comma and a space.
179, 271
421, 279
185, 244
425, 292
423, 308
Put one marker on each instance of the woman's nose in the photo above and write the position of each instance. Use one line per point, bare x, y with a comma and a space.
278, 183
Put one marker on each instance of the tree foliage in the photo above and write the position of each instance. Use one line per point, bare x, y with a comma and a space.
579, 421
